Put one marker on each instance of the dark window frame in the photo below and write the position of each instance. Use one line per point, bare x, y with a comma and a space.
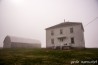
71, 30
72, 40
61, 39
61, 31
52, 41
52, 32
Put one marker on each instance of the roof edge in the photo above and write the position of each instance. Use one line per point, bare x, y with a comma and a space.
56, 26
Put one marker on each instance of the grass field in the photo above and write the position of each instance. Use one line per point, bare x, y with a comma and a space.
48, 57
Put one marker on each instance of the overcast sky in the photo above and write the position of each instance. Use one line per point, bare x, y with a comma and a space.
29, 18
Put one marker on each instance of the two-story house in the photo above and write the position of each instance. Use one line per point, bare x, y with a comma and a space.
65, 35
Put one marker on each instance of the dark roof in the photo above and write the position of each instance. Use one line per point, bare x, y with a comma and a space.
65, 24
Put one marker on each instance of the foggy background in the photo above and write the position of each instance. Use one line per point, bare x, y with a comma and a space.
29, 18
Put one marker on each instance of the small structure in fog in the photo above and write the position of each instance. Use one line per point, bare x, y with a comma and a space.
17, 42
65, 35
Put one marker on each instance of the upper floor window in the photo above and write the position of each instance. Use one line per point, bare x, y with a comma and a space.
72, 40
52, 32
61, 31
52, 41
71, 30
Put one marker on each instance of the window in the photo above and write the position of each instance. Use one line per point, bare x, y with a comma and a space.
52, 41
52, 32
61, 31
61, 39
71, 30
72, 40
65, 44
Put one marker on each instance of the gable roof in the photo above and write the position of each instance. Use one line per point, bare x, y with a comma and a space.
65, 24
22, 40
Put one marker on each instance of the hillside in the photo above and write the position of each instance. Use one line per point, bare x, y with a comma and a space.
48, 57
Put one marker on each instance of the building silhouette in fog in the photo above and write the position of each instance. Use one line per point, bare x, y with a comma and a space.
17, 42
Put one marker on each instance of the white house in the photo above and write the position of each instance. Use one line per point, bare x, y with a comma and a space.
65, 35
18, 42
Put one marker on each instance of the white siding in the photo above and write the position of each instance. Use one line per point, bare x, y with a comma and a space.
78, 35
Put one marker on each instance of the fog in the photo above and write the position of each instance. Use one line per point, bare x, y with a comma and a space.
29, 18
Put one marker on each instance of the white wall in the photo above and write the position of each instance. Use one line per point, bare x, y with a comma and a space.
78, 35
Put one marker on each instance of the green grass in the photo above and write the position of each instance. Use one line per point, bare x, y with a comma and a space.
47, 56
